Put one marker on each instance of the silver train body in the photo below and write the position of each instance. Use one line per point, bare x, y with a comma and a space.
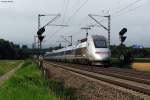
91, 50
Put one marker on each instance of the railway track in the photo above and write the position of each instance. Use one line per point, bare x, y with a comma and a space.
128, 74
125, 79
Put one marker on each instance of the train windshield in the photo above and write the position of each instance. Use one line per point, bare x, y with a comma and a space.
100, 43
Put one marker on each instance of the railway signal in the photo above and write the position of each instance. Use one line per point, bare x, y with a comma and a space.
41, 38
125, 57
121, 34
40, 32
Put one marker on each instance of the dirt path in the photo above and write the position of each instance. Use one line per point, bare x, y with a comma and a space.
9, 74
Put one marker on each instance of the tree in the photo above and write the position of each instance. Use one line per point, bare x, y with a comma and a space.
24, 47
7, 50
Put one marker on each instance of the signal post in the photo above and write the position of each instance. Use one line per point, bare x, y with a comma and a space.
40, 39
124, 57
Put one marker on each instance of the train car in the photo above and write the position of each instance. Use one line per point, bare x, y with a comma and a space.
91, 50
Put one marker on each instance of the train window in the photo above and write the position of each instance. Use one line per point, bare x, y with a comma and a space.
100, 43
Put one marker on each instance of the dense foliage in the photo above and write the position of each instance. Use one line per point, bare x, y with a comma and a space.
9, 50
135, 52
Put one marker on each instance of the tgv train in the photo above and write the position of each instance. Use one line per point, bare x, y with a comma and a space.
91, 50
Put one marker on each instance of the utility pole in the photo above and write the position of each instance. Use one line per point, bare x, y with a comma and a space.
109, 22
41, 30
86, 29
38, 43
39, 27
108, 28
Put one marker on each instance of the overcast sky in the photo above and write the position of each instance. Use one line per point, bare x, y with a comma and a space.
18, 20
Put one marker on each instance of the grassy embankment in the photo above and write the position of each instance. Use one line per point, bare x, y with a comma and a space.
135, 60
29, 84
115, 62
143, 60
7, 65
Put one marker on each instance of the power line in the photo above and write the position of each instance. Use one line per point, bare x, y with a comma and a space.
66, 4
138, 7
62, 8
65, 10
126, 7
77, 10
57, 16
130, 10
119, 4
74, 14
76, 3
63, 13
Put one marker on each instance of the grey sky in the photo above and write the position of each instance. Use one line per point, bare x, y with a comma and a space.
18, 20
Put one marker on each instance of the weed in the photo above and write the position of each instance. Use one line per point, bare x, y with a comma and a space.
57, 87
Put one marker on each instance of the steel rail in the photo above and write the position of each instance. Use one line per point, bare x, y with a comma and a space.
107, 71
135, 86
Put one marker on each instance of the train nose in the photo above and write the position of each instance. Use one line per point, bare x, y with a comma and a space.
105, 55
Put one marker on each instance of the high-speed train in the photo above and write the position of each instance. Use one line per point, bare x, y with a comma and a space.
91, 50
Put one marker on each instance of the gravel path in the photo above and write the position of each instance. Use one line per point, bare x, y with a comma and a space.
9, 74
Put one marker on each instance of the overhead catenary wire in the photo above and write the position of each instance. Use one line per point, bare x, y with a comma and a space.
131, 10
65, 10
122, 9
62, 11
73, 15
57, 16
126, 7
66, 5
118, 6
63, 6
77, 10
117, 12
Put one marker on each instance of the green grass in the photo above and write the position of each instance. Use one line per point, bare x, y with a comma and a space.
7, 65
57, 87
26, 84
147, 60
115, 62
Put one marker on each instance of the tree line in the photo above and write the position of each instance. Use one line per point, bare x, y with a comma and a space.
135, 52
9, 50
